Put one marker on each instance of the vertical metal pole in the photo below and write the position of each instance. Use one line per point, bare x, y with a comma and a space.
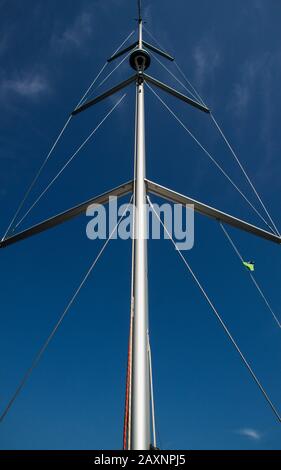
132, 284
140, 366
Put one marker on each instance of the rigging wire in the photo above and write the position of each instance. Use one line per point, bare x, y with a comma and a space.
208, 154
154, 38
105, 65
195, 95
223, 136
244, 172
85, 96
189, 83
234, 155
112, 71
53, 332
20, 206
124, 42
36, 177
251, 275
173, 75
177, 66
69, 161
226, 330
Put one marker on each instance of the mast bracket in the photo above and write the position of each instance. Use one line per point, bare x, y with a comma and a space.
176, 93
158, 51
122, 52
140, 78
140, 59
104, 95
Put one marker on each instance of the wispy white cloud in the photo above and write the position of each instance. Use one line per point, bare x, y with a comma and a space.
206, 57
256, 85
25, 84
250, 433
244, 89
240, 97
74, 35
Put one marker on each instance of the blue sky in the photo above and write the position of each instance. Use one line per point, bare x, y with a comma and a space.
205, 399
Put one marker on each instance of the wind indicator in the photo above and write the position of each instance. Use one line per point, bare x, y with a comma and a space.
139, 416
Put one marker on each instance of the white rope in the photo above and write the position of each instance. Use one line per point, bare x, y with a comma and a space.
173, 75
124, 42
154, 38
251, 275
246, 363
85, 96
231, 242
105, 65
47, 158
53, 332
244, 172
232, 151
115, 68
35, 179
189, 83
208, 154
196, 94
69, 161
224, 138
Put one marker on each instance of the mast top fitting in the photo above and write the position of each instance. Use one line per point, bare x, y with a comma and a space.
140, 60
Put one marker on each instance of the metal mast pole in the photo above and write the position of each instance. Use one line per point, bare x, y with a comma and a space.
140, 364
140, 402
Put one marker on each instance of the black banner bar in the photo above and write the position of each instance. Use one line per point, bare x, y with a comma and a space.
137, 459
